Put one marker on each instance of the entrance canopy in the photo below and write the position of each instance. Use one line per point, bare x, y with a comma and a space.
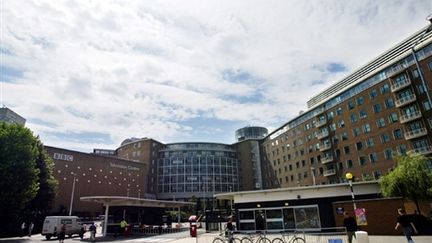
112, 201
137, 202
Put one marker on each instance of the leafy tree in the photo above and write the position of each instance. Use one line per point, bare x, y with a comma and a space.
26, 184
411, 179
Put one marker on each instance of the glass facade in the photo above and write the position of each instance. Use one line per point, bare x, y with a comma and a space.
185, 170
251, 133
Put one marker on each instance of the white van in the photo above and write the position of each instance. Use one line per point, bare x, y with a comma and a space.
52, 226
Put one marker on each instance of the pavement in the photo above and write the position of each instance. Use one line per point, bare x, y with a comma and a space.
184, 237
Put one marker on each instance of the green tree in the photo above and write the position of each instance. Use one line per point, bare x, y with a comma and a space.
411, 179
26, 177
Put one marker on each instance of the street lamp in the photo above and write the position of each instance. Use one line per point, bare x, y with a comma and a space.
72, 194
349, 178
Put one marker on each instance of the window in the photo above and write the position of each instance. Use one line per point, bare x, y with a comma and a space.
346, 149
377, 175
385, 89
373, 157
349, 163
341, 123
381, 122
415, 73
393, 117
330, 115
333, 127
350, 105
426, 105
366, 128
339, 111
356, 131
388, 154
362, 160
362, 114
359, 146
421, 88
373, 94
360, 100
377, 108
389, 103
344, 136
370, 142
385, 138
402, 149
353, 118
397, 134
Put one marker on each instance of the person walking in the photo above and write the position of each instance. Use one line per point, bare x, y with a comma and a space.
62, 234
22, 229
407, 225
123, 225
30, 229
92, 230
351, 226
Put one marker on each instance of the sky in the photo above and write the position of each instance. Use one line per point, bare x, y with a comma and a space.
89, 74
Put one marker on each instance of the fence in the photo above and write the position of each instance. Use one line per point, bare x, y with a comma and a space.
322, 235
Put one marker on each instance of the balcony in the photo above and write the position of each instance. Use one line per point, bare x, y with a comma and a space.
325, 146
405, 100
320, 123
323, 134
415, 133
330, 172
400, 85
423, 150
327, 159
410, 117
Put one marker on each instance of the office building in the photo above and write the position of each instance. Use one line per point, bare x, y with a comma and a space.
9, 116
359, 124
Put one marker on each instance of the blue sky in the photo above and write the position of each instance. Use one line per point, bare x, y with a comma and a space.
89, 74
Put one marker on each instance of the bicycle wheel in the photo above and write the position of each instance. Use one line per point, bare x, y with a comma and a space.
298, 240
246, 240
218, 240
237, 240
277, 240
264, 240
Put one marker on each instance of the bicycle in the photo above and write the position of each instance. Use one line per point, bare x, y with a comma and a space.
251, 238
285, 238
226, 237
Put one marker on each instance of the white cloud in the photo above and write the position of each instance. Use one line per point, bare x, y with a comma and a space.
146, 68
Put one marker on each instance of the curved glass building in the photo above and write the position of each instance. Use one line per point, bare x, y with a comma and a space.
251, 133
186, 170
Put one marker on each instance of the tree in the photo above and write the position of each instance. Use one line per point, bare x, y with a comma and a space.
411, 179
26, 176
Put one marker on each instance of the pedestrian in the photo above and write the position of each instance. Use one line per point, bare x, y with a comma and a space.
123, 225
351, 226
62, 234
30, 229
407, 225
22, 229
92, 230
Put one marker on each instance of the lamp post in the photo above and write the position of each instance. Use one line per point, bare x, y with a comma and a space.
349, 178
72, 194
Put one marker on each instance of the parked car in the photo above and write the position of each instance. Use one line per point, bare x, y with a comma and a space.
53, 224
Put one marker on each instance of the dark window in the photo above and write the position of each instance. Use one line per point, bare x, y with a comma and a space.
377, 108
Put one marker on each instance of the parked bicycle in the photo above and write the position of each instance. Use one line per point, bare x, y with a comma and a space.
226, 237
289, 238
259, 237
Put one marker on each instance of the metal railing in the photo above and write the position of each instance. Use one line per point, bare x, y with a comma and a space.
410, 116
400, 85
405, 100
415, 133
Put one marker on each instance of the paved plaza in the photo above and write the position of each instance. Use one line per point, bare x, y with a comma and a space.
183, 237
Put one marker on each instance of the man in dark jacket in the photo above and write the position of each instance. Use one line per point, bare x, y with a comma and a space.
351, 226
